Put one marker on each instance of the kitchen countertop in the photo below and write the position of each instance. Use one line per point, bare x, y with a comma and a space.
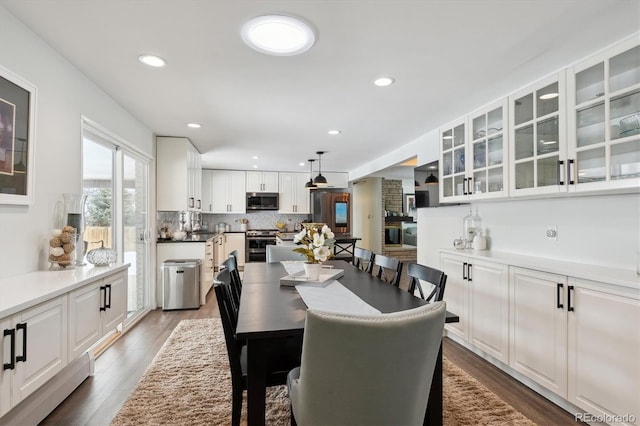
200, 237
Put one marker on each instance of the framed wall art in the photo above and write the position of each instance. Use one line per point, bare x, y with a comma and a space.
17, 138
409, 204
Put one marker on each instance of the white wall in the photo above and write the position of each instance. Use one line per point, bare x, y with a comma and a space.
64, 94
600, 230
367, 213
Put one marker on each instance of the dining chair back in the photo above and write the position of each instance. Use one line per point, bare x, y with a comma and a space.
352, 373
281, 359
420, 273
234, 253
387, 268
363, 259
236, 281
277, 254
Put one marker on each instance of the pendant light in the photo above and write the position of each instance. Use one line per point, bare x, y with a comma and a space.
431, 179
310, 185
320, 180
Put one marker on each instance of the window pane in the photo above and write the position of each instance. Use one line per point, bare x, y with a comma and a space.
590, 128
548, 171
524, 143
591, 165
97, 183
523, 108
547, 100
548, 136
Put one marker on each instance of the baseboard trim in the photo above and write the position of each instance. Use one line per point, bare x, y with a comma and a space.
37, 406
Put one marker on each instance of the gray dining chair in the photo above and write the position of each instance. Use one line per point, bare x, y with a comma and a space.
277, 254
352, 373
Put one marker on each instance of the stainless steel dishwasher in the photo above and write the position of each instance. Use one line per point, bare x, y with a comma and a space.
181, 284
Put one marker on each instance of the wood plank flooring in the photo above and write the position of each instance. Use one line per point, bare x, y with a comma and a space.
97, 400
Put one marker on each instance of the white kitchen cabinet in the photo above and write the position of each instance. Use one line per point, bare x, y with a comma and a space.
229, 242
95, 310
537, 141
262, 181
178, 175
294, 197
603, 348
478, 292
228, 191
604, 120
538, 330
207, 191
473, 155
336, 179
40, 350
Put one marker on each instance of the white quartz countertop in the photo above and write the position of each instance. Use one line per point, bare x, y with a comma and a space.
24, 291
615, 276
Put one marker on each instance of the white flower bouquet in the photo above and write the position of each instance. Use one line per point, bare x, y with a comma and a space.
315, 244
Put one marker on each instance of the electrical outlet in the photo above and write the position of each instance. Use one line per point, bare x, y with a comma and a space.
552, 232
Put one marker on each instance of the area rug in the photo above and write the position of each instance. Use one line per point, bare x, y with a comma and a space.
189, 383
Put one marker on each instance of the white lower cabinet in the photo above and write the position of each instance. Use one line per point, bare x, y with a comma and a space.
604, 350
34, 349
478, 292
579, 339
227, 243
95, 310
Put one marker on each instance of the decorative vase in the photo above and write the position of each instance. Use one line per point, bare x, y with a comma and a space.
312, 271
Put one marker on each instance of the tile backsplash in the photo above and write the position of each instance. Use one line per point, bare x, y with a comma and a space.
257, 220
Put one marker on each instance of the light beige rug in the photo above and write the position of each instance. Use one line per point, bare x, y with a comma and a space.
189, 383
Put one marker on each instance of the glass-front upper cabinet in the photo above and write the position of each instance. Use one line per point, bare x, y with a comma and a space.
604, 120
537, 148
453, 186
487, 163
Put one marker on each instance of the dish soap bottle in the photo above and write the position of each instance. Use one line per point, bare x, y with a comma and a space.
470, 227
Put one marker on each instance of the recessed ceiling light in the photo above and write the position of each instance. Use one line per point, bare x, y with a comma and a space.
334, 132
548, 96
384, 81
194, 125
255, 166
278, 35
301, 164
255, 157
152, 60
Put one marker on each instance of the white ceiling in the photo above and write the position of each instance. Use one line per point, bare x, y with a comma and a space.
448, 56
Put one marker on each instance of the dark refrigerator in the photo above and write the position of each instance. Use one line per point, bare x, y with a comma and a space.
333, 207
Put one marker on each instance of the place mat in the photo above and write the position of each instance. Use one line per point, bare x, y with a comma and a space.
334, 297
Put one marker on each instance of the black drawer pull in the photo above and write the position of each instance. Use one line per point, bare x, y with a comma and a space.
22, 326
559, 173
469, 272
569, 307
107, 304
464, 271
103, 296
558, 290
11, 364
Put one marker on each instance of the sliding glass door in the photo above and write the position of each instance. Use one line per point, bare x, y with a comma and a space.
116, 181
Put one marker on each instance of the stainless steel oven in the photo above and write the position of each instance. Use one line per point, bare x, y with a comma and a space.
257, 241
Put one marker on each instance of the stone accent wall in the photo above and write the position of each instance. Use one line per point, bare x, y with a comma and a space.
392, 195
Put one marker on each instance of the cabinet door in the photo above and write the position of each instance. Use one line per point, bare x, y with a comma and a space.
5, 374
262, 181
453, 163
207, 191
604, 343
301, 194
235, 241
85, 323
456, 293
46, 346
537, 142
604, 120
488, 284
172, 175
254, 181
116, 309
294, 197
237, 194
336, 180
538, 343
220, 191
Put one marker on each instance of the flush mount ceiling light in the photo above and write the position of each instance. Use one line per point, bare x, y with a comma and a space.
152, 60
384, 81
194, 125
278, 35
334, 132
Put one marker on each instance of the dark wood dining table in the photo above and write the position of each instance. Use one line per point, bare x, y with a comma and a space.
270, 312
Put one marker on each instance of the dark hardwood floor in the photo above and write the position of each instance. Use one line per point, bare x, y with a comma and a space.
97, 400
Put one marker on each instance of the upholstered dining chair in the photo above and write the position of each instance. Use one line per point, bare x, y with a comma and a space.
387, 269
351, 372
277, 254
363, 259
435, 277
236, 281
280, 362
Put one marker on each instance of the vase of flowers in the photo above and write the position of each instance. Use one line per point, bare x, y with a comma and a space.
315, 244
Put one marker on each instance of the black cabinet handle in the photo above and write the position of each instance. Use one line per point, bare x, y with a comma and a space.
559, 173
464, 271
558, 290
103, 296
22, 326
11, 364
469, 190
569, 290
469, 272
569, 173
199, 204
107, 304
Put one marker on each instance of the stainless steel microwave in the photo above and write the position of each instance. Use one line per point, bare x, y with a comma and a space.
262, 201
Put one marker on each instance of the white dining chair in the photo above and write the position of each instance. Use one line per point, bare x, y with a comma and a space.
277, 254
